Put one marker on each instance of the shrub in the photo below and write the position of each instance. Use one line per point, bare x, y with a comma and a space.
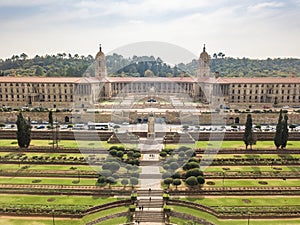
113, 152
106, 173
176, 182
174, 166
120, 154
168, 181
134, 181
121, 148
130, 154
191, 165
135, 174
191, 181
193, 159
166, 175
166, 166
111, 180
163, 154
136, 155
132, 208
101, 180
193, 172
124, 182
183, 148
181, 155
176, 175
200, 180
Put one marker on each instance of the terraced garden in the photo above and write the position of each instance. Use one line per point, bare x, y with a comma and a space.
260, 187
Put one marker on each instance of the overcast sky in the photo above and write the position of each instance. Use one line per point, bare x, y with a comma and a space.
249, 28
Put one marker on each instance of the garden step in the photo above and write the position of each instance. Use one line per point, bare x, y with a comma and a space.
149, 216
152, 193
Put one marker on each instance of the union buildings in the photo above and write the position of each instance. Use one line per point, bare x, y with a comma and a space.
64, 92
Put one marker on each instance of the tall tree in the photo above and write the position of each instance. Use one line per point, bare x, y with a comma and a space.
278, 133
285, 132
248, 134
24, 131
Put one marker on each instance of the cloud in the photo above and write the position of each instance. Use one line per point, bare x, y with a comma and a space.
27, 3
233, 27
265, 6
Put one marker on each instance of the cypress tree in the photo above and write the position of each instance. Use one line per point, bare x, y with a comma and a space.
24, 131
278, 133
248, 134
285, 132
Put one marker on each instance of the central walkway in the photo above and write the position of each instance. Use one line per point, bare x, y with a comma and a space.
149, 210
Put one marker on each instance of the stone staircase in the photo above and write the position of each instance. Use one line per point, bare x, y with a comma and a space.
149, 208
123, 138
177, 138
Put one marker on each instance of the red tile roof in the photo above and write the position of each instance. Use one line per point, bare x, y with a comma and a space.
259, 80
151, 79
47, 80
220, 80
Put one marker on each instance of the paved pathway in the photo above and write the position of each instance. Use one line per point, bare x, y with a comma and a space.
152, 167
150, 193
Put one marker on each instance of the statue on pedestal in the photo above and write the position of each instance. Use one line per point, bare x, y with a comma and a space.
151, 123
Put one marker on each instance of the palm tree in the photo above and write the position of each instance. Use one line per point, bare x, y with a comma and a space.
23, 56
215, 55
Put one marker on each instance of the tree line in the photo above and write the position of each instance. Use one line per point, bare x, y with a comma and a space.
68, 65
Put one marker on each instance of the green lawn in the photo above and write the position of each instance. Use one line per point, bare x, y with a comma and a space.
252, 182
24, 167
56, 181
66, 143
241, 145
55, 199
240, 201
216, 221
252, 169
199, 144
83, 221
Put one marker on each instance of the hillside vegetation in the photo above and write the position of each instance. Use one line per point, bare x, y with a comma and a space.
66, 65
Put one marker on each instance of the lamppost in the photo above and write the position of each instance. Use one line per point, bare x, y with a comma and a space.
53, 222
56, 132
248, 218
165, 142
78, 172
223, 179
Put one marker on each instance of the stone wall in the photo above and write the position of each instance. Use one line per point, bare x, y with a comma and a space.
171, 117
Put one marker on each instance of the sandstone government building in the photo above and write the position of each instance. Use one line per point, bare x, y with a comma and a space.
64, 92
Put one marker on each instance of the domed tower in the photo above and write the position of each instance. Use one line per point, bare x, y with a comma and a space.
204, 64
100, 65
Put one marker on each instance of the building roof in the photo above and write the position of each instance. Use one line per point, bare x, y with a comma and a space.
151, 79
220, 80
47, 80
259, 80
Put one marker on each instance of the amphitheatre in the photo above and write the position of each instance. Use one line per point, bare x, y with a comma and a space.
164, 158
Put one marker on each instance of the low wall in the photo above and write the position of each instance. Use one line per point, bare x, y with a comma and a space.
105, 135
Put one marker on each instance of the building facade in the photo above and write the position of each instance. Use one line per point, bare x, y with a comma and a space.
83, 92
